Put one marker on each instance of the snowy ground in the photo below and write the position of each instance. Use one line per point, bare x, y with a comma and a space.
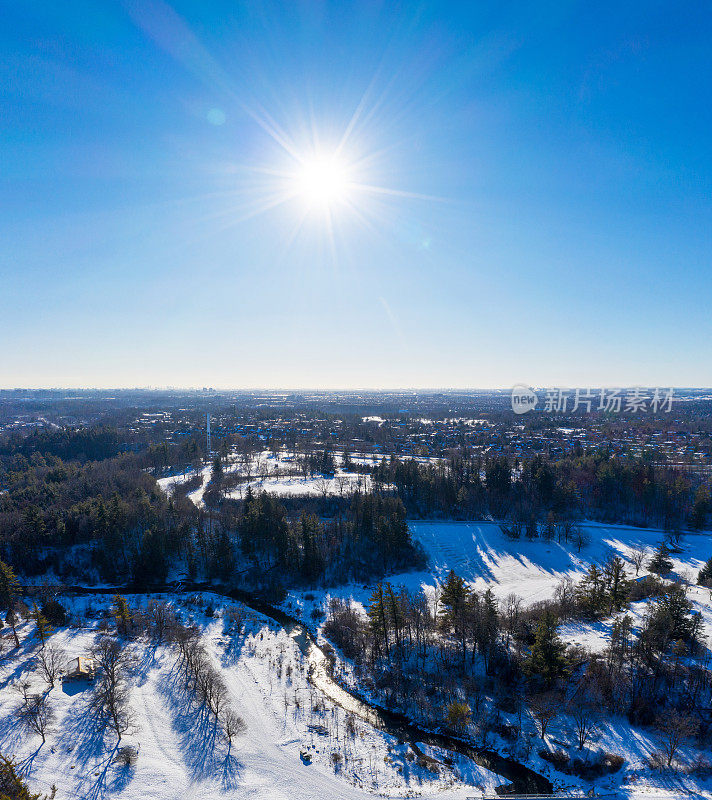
482, 554
277, 475
486, 558
265, 676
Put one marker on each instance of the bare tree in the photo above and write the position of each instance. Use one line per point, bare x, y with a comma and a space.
264, 470
111, 695
638, 557
50, 662
585, 721
233, 724
36, 713
323, 485
544, 707
342, 481
580, 537
565, 595
511, 613
234, 618
675, 728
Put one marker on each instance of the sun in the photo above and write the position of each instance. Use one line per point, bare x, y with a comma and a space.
322, 181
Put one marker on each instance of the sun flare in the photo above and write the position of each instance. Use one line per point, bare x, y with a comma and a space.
322, 181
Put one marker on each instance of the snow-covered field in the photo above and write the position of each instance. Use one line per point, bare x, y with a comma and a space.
487, 559
277, 475
179, 758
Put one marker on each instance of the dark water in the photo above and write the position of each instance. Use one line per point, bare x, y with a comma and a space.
521, 779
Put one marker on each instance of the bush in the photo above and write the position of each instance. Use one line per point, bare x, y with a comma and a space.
656, 760
613, 761
648, 586
54, 613
559, 758
127, 756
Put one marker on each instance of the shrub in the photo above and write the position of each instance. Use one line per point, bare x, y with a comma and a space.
648, 586
54, 613
127, 756
613, 761
559, 758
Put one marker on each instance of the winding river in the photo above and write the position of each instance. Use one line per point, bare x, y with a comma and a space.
521, 779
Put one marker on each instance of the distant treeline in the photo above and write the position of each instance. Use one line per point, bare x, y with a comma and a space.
594, 485
69, 444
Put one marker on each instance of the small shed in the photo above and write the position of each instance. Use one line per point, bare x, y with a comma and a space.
80, 667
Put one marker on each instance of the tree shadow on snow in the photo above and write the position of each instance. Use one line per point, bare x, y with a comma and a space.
233, 651
12, 728
147, 661
201, 741
94, 751
24, 766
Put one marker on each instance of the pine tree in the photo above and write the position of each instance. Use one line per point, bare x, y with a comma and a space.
617, 584
11, 785
217, 472
44, 629
591, 591
620, 645
453, 599
378, 617
661, 563
547, 659
395, 614
122, 615
704, 576
9, 591
488, 629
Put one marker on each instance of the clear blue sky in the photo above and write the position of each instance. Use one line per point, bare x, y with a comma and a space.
546, 215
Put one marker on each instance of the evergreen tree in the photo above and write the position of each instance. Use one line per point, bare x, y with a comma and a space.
488, 629
122, 615
617, 584
704, 576
620, 645
44, 629
11, 785
453, 600
547, 659
378, 617
311, 559
395, 615
591, 592
217, 472
9, 592
700, 509
661, 563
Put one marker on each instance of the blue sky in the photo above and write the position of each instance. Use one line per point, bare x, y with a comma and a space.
543, 211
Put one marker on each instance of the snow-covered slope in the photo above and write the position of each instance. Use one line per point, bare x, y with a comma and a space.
180, 757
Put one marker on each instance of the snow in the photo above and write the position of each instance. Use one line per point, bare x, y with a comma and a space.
275, 474
343, 483
179, 758
486, 558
